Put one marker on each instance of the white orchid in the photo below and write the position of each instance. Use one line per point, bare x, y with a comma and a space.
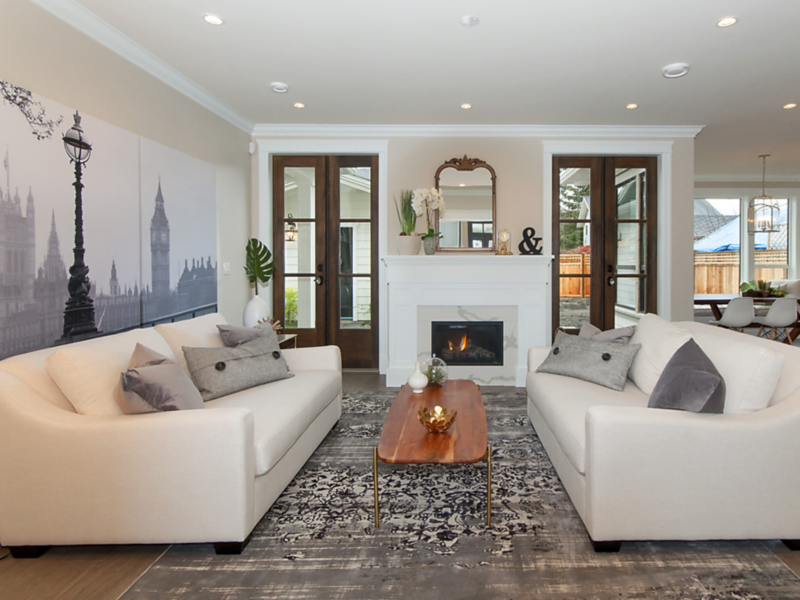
428, 201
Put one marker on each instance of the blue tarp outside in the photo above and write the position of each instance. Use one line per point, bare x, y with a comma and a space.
726, 238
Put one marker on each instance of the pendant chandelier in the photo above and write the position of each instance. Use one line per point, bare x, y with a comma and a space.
764, 214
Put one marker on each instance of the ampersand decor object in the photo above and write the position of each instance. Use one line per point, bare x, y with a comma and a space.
529, 244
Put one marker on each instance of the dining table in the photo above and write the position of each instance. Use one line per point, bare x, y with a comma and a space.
715, 301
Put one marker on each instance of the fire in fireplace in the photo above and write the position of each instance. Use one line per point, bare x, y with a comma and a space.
468, 342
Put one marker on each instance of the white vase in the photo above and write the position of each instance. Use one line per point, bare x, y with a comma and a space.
408, 245
255, 312
417, 380
430, 245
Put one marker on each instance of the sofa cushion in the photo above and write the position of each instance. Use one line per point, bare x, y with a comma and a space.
621, 335
200, 332
29, 368
751, 371
563, 404
660, 339
691, 382
604, 363
88, 372
154, 383
221, 371
283, 410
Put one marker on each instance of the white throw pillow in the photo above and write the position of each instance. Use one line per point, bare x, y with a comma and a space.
200, 332
659, 339
750, 371
88, 372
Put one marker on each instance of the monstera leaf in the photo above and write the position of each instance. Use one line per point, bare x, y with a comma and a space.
259, 265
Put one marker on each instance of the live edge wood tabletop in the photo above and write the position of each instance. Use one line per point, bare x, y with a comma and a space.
405, 441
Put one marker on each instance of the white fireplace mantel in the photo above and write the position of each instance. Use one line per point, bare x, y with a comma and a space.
521, 284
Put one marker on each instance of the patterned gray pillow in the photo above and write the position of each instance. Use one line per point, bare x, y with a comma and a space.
233, 336
690, 381
154, 382
603, 363
221, 371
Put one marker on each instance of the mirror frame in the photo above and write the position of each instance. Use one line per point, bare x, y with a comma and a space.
470, 164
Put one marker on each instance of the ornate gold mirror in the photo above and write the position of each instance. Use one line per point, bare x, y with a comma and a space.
468, 186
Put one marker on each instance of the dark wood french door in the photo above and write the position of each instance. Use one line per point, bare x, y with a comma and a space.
325, 223
604, 240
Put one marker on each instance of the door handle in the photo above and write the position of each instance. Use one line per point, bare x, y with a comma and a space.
319, 280
612, 281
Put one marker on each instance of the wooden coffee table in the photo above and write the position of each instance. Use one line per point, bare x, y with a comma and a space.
405, 441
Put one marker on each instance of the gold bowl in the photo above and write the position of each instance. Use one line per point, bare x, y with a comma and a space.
437, 420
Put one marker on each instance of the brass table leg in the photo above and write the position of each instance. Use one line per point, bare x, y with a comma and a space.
488, 486
375, 485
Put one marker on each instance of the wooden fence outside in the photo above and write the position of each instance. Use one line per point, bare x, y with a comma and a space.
714, 272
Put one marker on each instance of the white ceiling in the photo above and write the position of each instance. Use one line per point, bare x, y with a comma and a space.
546, 62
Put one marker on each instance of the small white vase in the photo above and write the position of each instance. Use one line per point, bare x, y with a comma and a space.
417, 380
408, 245
255, 311
430, 245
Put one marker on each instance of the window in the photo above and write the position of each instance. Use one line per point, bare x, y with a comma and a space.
717, 246
772, 249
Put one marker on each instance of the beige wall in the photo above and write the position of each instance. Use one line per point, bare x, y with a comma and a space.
45, 55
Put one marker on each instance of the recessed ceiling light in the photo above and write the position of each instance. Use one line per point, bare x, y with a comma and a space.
462, 185
470, 21
466, 106
212, 19
632, 105
726, 21
278, 87
675, 70
299, 105
790, 105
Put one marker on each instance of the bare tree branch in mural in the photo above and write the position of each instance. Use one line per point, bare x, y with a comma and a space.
43, 128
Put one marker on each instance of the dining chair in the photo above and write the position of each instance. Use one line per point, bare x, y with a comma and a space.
781, 315
738, 314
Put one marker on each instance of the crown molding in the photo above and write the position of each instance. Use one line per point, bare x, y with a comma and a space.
778, 181
85, 21
558, 131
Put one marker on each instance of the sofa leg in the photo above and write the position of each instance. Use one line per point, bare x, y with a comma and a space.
605, 546
27, 551
231, 547
792, 544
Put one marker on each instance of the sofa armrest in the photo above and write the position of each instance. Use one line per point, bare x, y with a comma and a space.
536, 356
183, 476
313, 359
666, 474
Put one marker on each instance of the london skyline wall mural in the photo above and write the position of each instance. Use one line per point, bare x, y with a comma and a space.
149, 216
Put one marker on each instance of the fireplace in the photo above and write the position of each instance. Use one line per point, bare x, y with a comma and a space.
468, 342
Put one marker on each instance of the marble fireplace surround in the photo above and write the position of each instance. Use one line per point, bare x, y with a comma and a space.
421, 289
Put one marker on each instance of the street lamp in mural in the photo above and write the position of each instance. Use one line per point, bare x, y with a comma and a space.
79, 311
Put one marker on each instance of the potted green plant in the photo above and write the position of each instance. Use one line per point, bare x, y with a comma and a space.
259, 268
408, 242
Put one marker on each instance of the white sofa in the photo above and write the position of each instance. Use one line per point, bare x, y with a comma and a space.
172, 477
638, 473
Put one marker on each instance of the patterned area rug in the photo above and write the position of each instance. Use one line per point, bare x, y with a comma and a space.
318, 540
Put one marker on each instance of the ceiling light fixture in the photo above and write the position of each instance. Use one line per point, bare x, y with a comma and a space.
470, 21
790, 105
764, 214
212, 19
278, 87
727, 21
299, 105
675, 70
632, 105
466, 106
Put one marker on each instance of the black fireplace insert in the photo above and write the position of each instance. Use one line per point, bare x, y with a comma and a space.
468, 342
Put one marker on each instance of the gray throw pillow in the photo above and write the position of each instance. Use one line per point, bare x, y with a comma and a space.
621, 335
690, 381
233, 336
603, 363
155, 383
222, 371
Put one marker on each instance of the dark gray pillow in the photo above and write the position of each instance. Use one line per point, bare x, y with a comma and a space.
603, 363
155, 383
221, 371
690, 381
621, 335
233, 336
